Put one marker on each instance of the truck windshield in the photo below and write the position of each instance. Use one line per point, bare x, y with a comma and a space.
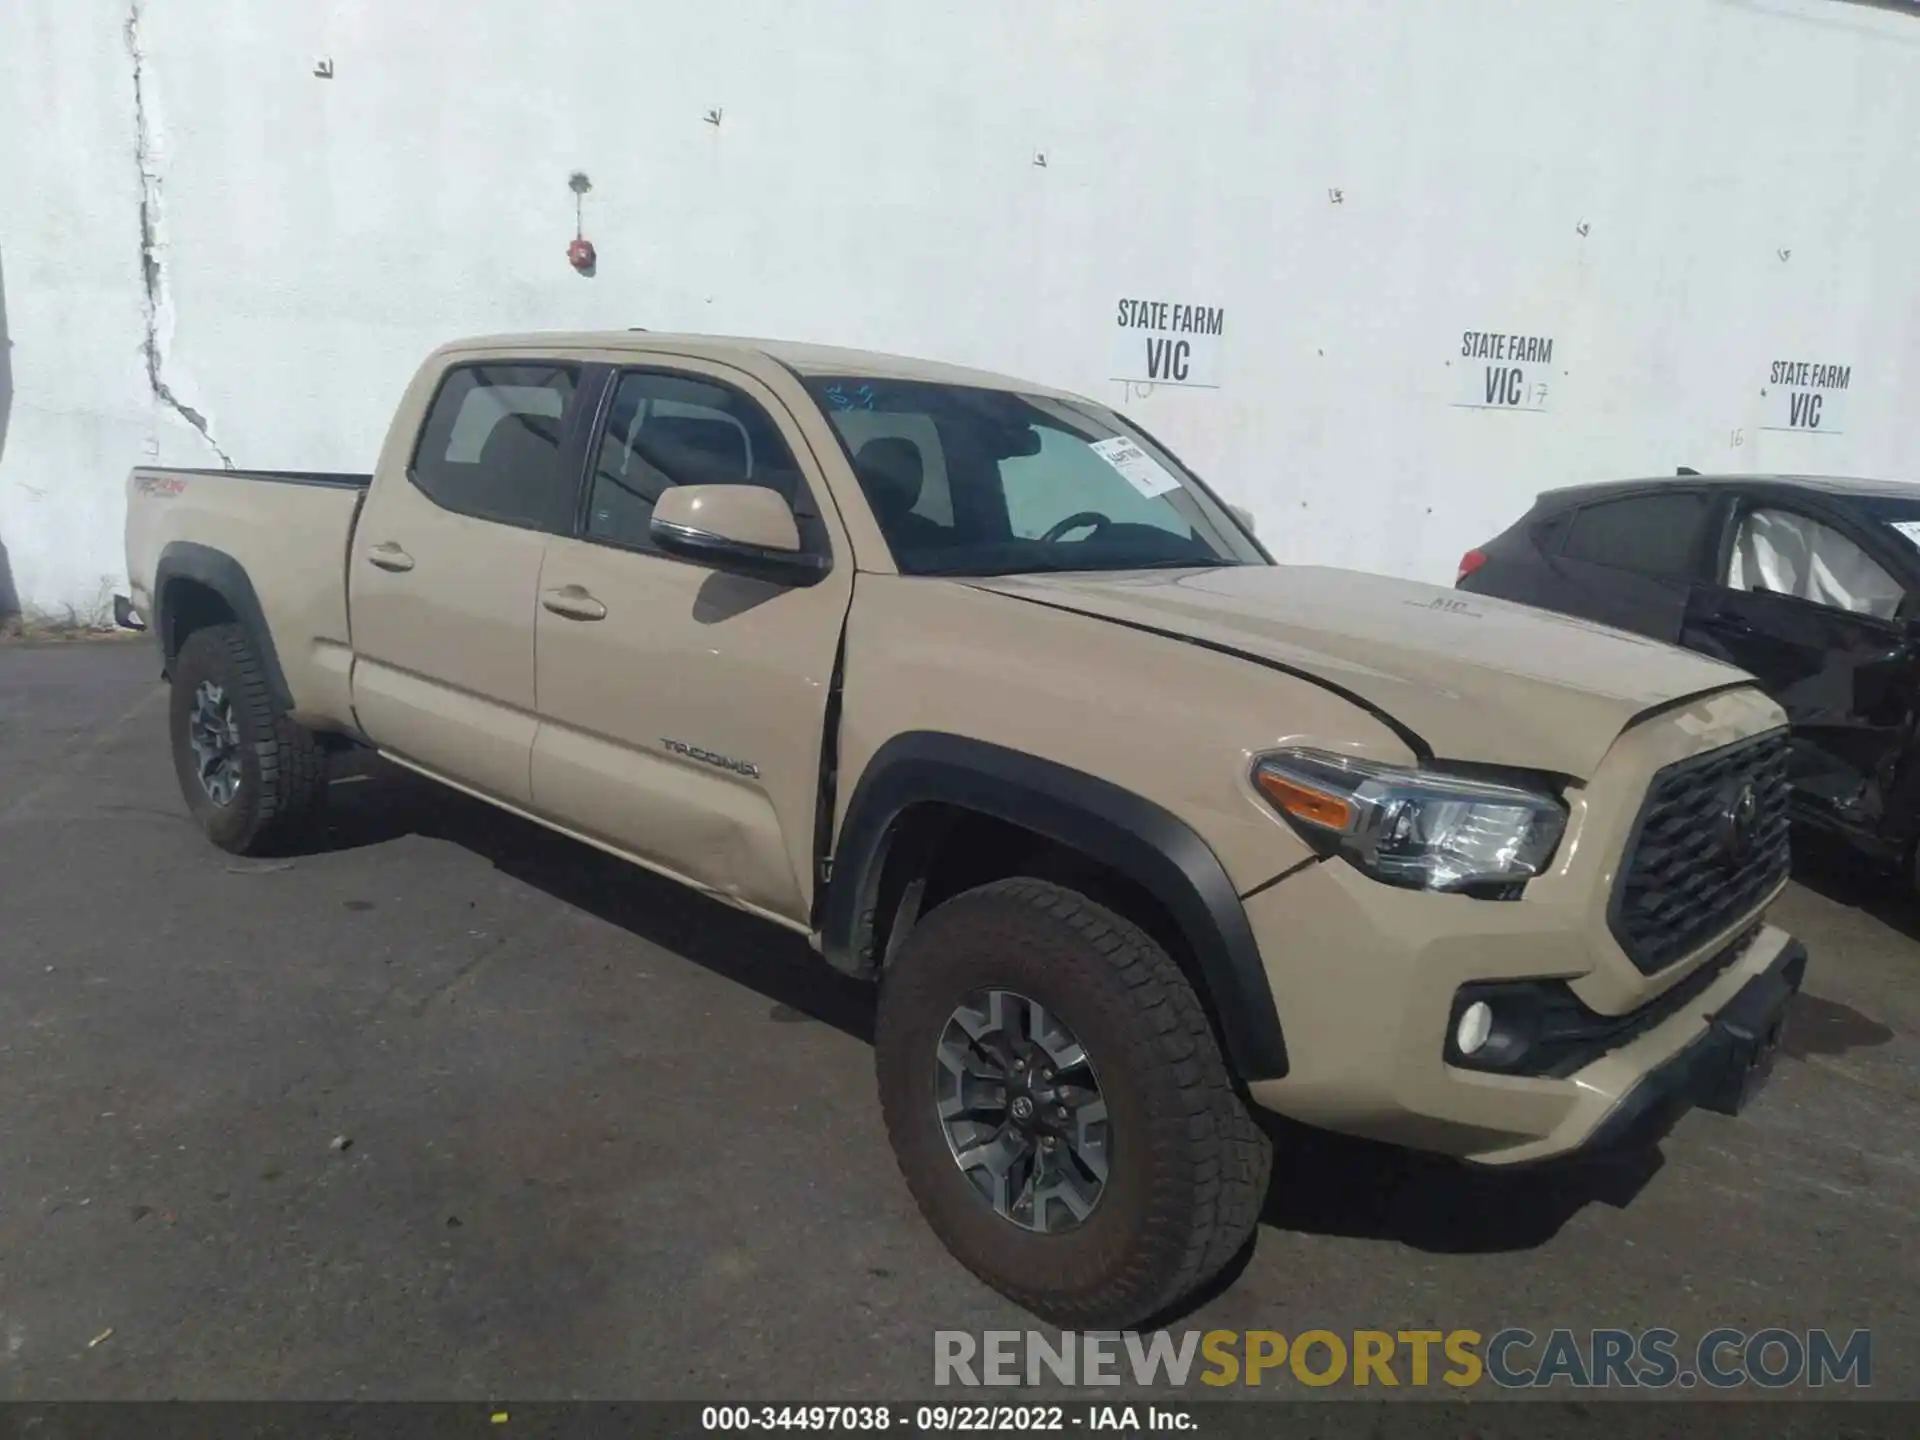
972, 481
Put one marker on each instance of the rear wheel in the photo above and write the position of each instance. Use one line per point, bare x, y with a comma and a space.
253, 779
1060, 1109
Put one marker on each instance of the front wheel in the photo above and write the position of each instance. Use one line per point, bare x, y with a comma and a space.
253, 779
1060, 1109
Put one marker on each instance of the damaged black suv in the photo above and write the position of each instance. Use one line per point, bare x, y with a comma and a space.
1810, 584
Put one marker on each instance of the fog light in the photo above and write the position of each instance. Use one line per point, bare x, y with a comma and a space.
1476, 1024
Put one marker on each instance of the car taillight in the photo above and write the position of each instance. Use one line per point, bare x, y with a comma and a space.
1469, 562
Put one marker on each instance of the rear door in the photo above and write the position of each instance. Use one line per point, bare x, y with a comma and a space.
1809, 603
1631, 561
445, 569
683, 709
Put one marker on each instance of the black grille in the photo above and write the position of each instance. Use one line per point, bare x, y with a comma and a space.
1680, 885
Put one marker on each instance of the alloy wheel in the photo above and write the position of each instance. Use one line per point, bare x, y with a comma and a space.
1020, 1105
214, 733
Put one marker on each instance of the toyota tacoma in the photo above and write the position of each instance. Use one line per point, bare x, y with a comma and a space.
975, 685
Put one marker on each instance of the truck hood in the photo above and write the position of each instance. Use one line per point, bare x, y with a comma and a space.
1476, 679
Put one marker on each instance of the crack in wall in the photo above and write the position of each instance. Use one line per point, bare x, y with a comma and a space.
152, 272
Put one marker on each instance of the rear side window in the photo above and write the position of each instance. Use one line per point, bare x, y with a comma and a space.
1650, 534
491, 444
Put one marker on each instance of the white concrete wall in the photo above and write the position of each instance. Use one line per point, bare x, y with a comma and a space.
1677, 192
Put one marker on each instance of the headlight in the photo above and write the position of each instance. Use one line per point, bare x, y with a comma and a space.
1415, 828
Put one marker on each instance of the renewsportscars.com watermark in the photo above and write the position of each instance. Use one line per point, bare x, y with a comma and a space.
1656, 1358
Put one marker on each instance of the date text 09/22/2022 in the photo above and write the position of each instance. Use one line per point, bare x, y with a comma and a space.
942, 1419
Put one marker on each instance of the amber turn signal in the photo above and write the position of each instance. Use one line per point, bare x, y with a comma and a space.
1316, 807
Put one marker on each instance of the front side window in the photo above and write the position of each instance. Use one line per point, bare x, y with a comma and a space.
668, 429
971, 481
490, 447
1784, 553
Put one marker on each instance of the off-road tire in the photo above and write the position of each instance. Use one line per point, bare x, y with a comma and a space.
283, 767
1188, 1167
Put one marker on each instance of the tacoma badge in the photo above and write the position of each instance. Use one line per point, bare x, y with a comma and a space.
707, 757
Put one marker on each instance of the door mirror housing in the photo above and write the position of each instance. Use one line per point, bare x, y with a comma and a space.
1244, 516
745, 529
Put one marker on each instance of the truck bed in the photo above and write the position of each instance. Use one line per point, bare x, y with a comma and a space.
286, 532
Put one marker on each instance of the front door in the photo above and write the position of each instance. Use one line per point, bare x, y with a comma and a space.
1823, 626
683, 709
445, 570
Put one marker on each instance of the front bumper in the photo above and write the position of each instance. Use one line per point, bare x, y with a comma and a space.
1365, 978
1366, 1022
1719, 1070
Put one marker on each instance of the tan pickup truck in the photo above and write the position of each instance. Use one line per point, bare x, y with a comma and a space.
975, 685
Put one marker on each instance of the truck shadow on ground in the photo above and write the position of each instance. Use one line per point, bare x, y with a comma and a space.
1323, 1183
1335, 1185
388, 804
1366, 1190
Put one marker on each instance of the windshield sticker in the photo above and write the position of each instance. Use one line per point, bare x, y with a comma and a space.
1908, 528
1138, 468
860, 398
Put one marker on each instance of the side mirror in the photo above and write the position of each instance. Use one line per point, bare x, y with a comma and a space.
745, 529
1244, 516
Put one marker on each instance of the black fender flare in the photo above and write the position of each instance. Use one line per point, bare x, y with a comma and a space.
227, 578
1135, 837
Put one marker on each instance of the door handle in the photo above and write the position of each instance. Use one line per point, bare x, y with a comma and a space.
1728, 618
389, 556
573, 602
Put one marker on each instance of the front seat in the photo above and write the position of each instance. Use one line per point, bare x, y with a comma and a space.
891, 473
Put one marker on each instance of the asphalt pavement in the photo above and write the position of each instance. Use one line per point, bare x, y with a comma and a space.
455, 1108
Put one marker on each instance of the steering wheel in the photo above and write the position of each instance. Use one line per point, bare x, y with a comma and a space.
1094, 518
